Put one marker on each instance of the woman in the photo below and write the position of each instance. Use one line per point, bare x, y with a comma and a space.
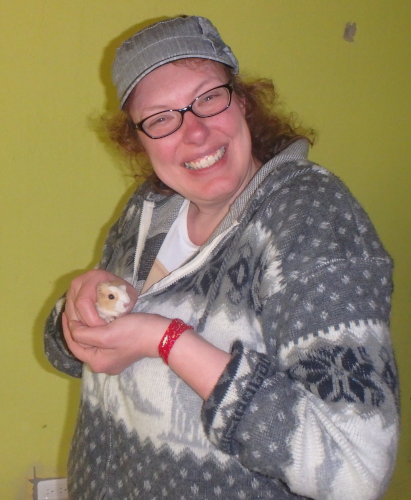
256, 360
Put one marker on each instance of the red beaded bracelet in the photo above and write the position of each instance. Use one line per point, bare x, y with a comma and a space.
173, 332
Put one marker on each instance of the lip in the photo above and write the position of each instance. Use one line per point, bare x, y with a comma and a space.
207, 160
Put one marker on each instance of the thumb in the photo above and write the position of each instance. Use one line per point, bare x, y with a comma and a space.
72, 324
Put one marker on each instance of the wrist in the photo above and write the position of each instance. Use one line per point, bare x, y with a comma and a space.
173, 332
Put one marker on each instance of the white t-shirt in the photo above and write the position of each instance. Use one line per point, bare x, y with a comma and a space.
176, 249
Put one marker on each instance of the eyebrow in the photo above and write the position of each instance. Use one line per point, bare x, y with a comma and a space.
197, 92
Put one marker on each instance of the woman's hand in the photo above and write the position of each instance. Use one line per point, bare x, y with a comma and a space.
111, 348
114, 347
82, 296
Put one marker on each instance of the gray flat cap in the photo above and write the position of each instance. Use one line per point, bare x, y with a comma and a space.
163, 42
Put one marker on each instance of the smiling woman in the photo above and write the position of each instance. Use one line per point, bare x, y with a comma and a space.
254, 359
270, 130
207, 160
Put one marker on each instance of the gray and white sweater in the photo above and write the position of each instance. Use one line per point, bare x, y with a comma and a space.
296, 285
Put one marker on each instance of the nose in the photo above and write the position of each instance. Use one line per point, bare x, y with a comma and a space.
194, 129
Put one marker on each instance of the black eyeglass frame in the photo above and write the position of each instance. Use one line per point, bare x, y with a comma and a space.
139, 125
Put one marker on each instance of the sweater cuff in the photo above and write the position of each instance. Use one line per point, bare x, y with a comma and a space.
232, 395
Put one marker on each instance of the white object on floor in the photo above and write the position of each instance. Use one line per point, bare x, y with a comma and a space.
52, 489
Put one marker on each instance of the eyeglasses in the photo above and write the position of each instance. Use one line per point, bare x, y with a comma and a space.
165, 123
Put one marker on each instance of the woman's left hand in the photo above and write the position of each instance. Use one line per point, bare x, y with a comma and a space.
113, 347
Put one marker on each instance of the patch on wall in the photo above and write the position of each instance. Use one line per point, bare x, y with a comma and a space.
349, 32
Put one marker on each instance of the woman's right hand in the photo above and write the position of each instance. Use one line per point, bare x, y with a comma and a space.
82, 295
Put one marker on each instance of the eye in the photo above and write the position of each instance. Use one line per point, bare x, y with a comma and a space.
209, 97
111, 296
212, 102
214, 94
159, 120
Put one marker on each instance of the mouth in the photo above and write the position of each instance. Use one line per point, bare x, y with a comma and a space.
207, 161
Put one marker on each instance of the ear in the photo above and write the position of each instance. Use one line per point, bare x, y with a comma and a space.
242, 104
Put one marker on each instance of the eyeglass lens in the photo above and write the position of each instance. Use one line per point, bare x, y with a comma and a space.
208, 104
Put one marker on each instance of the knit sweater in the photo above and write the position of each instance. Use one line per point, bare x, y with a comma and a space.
296, 285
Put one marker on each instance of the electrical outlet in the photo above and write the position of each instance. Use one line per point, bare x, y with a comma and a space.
52, 489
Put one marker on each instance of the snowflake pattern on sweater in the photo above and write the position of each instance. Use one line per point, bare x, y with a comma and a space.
296, 285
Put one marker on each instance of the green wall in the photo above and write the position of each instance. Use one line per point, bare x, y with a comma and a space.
61, 186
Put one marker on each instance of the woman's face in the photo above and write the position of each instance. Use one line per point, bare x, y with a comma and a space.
222, 143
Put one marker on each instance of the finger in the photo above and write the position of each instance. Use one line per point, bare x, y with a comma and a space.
81, 297
95, 357
132, 293
86, 312
89, 336
75, 347
69, 309
64, 322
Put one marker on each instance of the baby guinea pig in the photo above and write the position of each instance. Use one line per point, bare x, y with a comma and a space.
112, 300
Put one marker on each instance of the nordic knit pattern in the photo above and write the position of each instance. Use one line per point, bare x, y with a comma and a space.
296, 285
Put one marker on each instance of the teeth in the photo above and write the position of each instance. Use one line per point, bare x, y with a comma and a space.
207, 161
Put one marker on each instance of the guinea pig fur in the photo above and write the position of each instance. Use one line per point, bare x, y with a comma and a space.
112, 300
